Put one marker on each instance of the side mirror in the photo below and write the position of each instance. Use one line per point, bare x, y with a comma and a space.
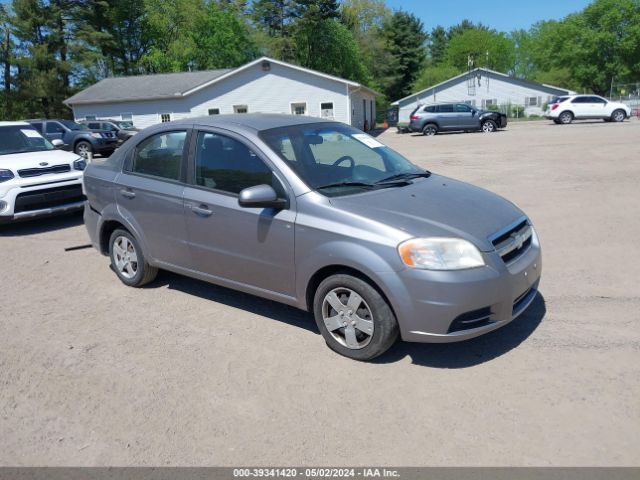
260, 196
57, 143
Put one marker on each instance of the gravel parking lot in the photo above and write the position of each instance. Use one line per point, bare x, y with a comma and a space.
186, 373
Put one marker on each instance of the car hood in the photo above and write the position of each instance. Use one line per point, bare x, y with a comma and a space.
18, 161
436, 207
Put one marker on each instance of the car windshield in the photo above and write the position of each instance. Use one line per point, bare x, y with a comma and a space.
124, 125
336, 159
21, 139
73, 125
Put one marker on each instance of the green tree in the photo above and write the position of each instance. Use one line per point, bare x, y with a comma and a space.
42, 59
405, 44
434, 74
487, 48
110, 37
6, 51
274, 21
437, 44
195, 35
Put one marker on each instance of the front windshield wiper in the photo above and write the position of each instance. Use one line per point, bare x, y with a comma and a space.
404, 176
347, 184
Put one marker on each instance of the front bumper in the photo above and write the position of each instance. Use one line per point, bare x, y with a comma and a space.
439, 307
105, 145
24, 198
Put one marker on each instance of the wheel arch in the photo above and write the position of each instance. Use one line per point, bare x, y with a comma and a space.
329, 270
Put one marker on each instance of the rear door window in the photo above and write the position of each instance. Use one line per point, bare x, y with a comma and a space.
160, 155
445, 108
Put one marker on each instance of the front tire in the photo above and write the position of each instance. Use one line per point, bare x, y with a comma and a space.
489, 126
566, 118
619, 116
128, 261
354, 318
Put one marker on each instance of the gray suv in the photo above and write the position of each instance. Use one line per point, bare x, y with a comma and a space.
317, 215
448, 117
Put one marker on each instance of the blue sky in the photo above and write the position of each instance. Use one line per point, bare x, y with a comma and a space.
503, 15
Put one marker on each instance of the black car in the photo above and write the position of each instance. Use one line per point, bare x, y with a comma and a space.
448, 117
76, 137
123, 129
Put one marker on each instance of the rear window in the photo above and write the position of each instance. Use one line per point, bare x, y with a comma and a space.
430, 109
558, 100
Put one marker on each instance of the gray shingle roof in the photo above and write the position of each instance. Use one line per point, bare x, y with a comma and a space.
143, 87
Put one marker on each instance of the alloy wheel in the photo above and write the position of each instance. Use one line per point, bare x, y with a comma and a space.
125, 257
348, 318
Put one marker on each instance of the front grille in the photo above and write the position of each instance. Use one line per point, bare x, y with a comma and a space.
36, 172
472, 319
513, 243
48, 198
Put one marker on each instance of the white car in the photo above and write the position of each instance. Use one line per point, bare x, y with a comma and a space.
36, 178
579, 107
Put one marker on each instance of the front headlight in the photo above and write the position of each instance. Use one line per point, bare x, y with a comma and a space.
440, 254
96, 135
80, 164
5, 175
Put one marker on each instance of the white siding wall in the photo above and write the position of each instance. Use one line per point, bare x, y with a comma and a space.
358, 114
264, 92
145, 114
501, 90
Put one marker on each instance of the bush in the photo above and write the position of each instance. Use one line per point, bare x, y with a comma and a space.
517, 111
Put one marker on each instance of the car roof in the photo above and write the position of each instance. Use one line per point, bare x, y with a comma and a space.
255, 121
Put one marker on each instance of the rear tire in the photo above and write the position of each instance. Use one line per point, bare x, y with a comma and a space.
618, 116
353, 317
430, 129
128, 261
566, 118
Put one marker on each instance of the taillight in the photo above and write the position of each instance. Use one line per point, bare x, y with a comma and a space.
414, 117
554, 106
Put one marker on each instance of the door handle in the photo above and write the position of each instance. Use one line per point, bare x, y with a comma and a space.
201, 210
127, 193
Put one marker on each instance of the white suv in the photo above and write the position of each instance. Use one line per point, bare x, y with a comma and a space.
35, 178
566, 109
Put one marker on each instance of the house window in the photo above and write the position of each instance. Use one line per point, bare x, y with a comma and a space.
533, 101
126, 117
165, 117
489, 102
214, 111
299, 108
90, 117
326, 110
240, 109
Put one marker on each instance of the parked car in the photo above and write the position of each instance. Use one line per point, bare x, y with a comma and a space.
36, 178
566, 109
123, 130
448, 117
318, 215
77, 138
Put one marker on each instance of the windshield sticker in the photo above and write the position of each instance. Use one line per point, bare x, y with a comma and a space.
30, 133
367, 140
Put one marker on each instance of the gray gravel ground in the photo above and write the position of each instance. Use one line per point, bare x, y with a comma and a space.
185, 373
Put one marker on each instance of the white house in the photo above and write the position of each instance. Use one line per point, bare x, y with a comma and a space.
263, 85
482, 87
